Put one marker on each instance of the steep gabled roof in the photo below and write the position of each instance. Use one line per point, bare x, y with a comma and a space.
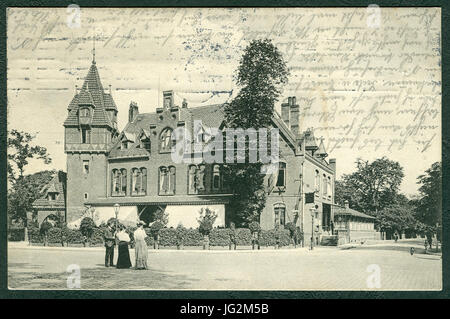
339, 210
92, 94
56, 185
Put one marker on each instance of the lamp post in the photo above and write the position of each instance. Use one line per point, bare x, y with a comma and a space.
116, 211
312, 228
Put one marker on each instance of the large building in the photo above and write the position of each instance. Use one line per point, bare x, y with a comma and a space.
134, 167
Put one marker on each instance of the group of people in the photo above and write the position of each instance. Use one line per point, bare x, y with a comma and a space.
112, 235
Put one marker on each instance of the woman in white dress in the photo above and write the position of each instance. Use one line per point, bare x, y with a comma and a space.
140, 246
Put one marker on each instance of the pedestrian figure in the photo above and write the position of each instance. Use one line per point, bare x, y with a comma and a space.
396, 237
123, 261
140, 247
110, 242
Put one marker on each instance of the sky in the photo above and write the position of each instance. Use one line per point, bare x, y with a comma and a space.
368, 80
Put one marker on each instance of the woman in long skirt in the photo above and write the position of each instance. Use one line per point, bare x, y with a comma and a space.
140, 247
123, 261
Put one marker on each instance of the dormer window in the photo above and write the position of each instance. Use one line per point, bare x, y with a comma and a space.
85, 112
124, 145
52, 196
145, 143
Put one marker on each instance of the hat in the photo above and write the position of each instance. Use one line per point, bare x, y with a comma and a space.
140, 223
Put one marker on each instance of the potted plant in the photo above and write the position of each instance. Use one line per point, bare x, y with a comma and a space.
206, 222
255, 229
232, 234
45, 227
161, 220
87, 226
292, 232
181, 234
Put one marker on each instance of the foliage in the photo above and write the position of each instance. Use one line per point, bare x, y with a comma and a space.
206, 220
261, 74
397, 218
243, 236
24, 191
87, 227
20, 151
45, 227
291, 228
254, 227
274, 236
155, 228
219, 237
372, 187
429, 205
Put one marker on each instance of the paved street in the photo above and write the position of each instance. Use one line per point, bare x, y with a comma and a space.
327, 268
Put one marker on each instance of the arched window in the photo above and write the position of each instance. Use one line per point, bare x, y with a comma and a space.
317, 183
167, 177
123, 173
280, 214
85, 112
217, 178
329, 187
165, 140
139, 181
281, 179
325, 185
116, 182
192, 185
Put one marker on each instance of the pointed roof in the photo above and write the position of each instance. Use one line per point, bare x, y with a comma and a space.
310, 140
92, 93
56, 185
321, 151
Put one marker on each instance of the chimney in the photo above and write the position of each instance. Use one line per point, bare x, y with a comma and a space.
294, 116
184, 105
133, 111
332, 162
285, 112
346, 204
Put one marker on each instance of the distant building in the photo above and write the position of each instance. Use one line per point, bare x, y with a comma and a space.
134, 167
353, 226
52, 204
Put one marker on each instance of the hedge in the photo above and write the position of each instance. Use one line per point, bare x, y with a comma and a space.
16, 234
168, 236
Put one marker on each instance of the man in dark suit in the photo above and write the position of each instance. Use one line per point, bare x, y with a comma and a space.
110, 241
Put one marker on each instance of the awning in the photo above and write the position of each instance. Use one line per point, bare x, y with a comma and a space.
127, 216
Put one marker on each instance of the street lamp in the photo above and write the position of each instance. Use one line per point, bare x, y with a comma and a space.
116, 211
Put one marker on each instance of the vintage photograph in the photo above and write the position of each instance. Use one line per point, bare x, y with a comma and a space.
224, 148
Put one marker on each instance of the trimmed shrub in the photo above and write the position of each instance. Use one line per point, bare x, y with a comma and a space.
54, 235
243, 237
168, 237
271, 237
16, 234
254, 227
87, 227
181, 235
97, 236
34, 235
219, 237
193, 238
206, 221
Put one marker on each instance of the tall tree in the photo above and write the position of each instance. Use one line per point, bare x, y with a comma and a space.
373, 186
261, 75
20, 151
429, 205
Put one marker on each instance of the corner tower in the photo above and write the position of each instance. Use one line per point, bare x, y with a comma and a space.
89, 130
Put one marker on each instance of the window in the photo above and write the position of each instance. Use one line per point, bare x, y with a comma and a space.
324, 185
86, 196
146, 144
167, 180
118, 182
317, 183
52, 196
217, 178
85, 112
124, 145
85, 136
165, 140
280, 214
138, 181
329, 186
86, 167
281, 179
196, 179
